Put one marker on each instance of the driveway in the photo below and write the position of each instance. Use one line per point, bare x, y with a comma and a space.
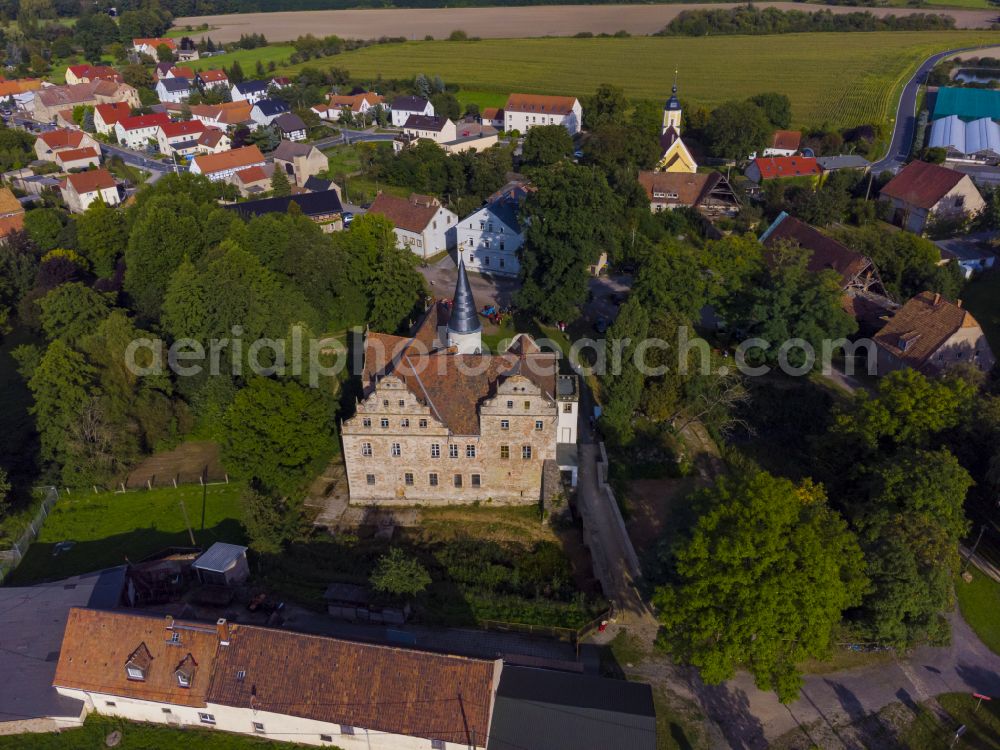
486, 289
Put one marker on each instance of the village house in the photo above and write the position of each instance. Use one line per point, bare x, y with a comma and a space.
783, 143
187, 50
422, 224
323, 208
290, 126
226, 115
674, 153
107, 115
81, 189
265, 111
212, 79
149, 46
931, 334
11, 214
404, 106
489, 239
78, 158
525, 111
51, 142
471, 136
50, 100
300, 161
273, 683
180, 138
249, 91
252, 181
214, 141
175, 90
356, 104
492, 116
442, 422
923, 192
223, 165
20, 92
433, 128
708, 192
87, 73
175, 71
765, 168
137, 132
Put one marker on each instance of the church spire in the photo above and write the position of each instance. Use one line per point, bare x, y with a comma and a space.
464, 329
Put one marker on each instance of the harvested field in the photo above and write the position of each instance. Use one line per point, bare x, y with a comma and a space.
840, 79
494, 23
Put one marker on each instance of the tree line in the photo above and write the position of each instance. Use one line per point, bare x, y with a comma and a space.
749, 19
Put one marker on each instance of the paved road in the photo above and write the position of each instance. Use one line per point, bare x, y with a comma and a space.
906, 116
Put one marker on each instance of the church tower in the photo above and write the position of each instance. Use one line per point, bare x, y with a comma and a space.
672, 111
465, 333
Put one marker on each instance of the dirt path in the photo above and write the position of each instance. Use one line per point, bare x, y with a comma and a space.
500, 23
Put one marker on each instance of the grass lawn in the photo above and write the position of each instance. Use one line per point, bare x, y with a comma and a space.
982, 298
482, 98
928, 732
842, 79
247, 58
109, 527
136, 736
979, 602
343, 159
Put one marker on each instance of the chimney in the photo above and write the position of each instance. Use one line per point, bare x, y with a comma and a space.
170, 622
937, 299
958, 303
222, 628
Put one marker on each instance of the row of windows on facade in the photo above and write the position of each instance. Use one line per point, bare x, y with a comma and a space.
405, 422
486, 259
485, 226
433, 480
367, 422
396, 450
258, 727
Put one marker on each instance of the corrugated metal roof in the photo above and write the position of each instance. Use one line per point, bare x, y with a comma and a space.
969, 104
980, 136
219, 557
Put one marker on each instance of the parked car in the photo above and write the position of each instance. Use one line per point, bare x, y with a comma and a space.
348, 218
601, 325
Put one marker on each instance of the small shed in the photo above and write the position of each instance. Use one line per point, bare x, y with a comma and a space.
223, 565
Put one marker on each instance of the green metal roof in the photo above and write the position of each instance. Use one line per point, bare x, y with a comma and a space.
968, 104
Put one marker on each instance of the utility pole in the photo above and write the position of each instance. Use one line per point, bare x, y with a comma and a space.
972, 552
204, 495
187, 523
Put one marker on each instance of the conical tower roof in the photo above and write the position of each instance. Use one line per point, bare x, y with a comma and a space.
464, 317
673, 103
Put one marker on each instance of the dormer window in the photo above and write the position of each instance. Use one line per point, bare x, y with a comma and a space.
138, 663
134, 673
184, 674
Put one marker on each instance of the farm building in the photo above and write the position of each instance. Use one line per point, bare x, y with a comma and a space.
223, 565
922, 191
977, 139
968, 104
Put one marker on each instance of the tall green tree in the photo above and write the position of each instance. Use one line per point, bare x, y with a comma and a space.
545, 145
776, 107
101, 236
759, 582
275, 433
607, 105
737, 129
45, 228
622, 384
60, 386
399, 574
280, 186
72, 311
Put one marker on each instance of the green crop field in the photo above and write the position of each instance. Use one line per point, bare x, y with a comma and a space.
108, 527
247, 58
841, 79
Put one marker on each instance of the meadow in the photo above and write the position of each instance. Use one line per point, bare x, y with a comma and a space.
837, 79
247, 58
109, 527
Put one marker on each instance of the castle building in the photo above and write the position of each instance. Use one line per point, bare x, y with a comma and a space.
675, 156
442, 422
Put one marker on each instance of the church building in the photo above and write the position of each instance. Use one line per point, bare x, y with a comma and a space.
442, 422
675, 155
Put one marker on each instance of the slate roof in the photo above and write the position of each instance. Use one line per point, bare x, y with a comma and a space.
32, 621
252, 87
311, 204
922, 185
921, 326
289, 150
97, 645
271, 107
380, 688
407, 214
539, 709
827, 253
174, 85
315, 184
464, 315
409, 104
550, 105
289, 122
842, 161
425, 122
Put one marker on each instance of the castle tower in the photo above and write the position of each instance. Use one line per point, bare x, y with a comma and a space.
672, 111
464, 330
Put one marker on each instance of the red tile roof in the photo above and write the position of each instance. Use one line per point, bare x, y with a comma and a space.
62, 138
921, 184
786, 140
96, 72
145, 121
238, 157
185, 127
11, 224
412, 214
154, 42
774, 167
182, 72
90, 181
551, 105
114, 112
251, 174
213, 76
76, 154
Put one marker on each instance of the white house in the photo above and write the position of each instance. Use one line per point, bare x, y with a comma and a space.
431, 127
136, 132
149, 46
291, 126
356, 104
81, 189
274, 684
422, 224
922, 192
525, 111
249, 91
180, 138
490, 238
223, 165
106, 115
265, 111
175, 90
212, 79
404, 106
